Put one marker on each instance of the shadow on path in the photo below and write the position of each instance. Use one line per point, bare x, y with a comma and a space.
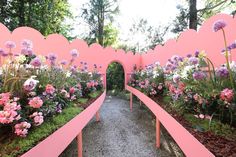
122, 133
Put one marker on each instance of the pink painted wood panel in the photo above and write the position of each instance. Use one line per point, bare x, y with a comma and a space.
189, 41
187, 142
59, 45
54, 145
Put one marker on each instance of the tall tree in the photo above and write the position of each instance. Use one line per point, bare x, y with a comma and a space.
191, 17
144, 36
97, 14
47, 16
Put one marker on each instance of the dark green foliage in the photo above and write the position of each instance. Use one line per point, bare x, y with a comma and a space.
47, 16
115, 77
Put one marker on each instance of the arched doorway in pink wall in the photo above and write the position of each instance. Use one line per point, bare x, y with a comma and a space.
116, 75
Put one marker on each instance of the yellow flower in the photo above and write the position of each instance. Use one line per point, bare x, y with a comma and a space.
202, 54
42, 58
20, 59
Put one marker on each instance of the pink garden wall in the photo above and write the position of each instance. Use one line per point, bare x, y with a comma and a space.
59, 45
188, 42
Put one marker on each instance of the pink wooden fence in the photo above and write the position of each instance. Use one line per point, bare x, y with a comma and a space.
188, 144
55, 144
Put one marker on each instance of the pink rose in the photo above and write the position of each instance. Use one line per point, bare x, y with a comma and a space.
4, 98
227, 95
36, 102
50, 89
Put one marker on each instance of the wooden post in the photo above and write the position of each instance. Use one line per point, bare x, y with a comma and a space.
98, 116
131, 101
158, 133
140, 102
80, 144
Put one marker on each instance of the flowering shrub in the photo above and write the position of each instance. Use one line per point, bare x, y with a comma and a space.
31, 90
194, 84
150, 80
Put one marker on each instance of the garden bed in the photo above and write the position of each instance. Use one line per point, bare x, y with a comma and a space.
219, 142
16, 146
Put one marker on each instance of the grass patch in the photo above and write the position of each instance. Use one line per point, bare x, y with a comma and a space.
18, 146
214, 126
94, 94
83, 100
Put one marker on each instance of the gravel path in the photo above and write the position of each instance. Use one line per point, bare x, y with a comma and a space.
122, 133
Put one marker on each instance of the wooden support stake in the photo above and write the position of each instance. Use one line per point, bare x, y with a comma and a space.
158, 133
131, 101
80, 144
98, 116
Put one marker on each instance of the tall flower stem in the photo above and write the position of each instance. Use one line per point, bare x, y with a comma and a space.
227, 60
213, 69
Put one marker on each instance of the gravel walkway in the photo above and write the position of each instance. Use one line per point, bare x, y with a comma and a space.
122, 133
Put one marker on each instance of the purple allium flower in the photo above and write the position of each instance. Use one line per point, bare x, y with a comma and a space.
85, 63
1, 52
222, 72
10, 44
63, 62
219, 24
27, 44
74, 53
81, 62
36, 62
193, 60
189, 55
52, 57
100, 66
197, 53
73, 69
199, 75
233, 45
26, 51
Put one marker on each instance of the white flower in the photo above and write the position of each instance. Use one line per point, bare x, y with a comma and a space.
185, 72
233, 66
30, 84
68, 74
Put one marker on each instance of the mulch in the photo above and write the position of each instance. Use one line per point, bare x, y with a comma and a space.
218, 145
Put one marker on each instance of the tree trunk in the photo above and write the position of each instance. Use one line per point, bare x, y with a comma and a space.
193, 14
22, 13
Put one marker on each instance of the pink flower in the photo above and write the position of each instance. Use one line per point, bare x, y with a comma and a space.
11, 106
159, 87
38, 118
7, 116
227, 95
21, 129
72, 90
4, 98
50, 89
79, 86
90, 84
36, 102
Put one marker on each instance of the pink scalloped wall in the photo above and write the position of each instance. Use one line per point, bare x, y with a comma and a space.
190, 41
59, 45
